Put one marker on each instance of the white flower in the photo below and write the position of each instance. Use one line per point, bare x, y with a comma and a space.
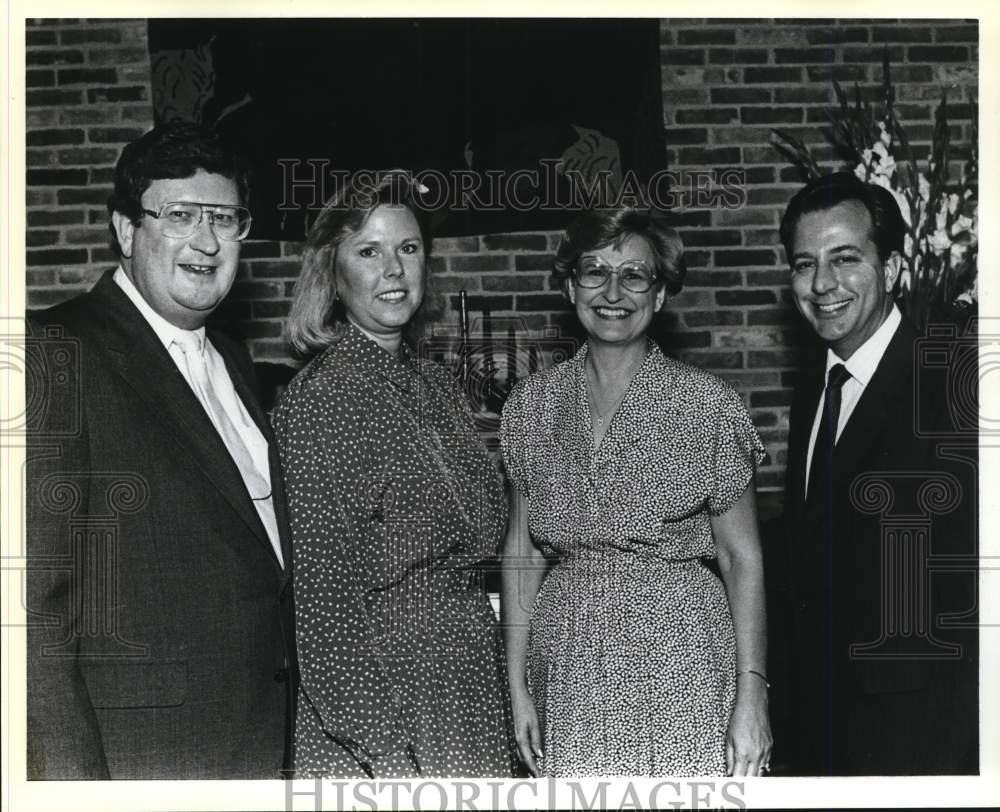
904, 278
941, 217
885, 164
952, 203
966, 298
884, 135
904, 205
963, 223
861, 172
924, 187
940, 242
907, 246
881, 180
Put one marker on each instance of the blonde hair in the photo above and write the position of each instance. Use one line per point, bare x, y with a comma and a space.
317, 319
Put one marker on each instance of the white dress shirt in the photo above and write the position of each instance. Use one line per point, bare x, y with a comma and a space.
255, 442
862, 365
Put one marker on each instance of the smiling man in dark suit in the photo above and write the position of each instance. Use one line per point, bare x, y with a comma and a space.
880, 508
160, 627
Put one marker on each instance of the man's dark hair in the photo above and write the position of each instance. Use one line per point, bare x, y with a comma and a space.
177, 149
820, 194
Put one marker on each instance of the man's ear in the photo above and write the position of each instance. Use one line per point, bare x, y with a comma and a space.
124, 230
661, 299
891, 269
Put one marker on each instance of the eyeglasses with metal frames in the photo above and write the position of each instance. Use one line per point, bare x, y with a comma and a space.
633, 274
181, 219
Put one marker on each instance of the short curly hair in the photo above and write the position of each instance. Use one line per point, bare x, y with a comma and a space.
599, 228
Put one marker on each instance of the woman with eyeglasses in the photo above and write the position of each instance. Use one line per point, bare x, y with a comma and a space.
626, 654
394, 505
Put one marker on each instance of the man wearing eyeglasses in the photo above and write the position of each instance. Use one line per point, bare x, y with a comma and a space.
160, 630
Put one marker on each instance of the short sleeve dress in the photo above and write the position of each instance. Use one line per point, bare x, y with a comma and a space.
394, 505
631, 652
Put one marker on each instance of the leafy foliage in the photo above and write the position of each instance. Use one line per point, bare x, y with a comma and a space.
941, 247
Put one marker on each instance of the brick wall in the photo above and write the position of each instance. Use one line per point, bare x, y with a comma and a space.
725, 83
87, 93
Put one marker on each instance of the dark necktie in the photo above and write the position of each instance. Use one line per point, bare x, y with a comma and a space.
821, 472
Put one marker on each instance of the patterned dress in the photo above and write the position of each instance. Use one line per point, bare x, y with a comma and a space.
394, 505
631, 650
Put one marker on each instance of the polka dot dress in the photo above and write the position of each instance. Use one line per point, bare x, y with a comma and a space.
631, 650
394, 504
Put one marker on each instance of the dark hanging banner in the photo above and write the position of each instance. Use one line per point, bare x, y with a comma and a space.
507, 123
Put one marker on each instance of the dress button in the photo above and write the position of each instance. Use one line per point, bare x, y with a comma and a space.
281, 675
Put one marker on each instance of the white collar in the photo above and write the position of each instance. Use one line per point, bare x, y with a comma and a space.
165, 331
865, 359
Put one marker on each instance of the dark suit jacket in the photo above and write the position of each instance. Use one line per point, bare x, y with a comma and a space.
160, 636
880, 572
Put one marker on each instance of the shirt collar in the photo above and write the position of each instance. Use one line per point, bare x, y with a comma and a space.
165, 331
365, 352
865, 359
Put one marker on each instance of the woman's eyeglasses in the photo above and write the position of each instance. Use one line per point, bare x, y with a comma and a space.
180, 220
633, 274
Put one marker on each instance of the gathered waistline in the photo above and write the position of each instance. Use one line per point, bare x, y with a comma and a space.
624, 559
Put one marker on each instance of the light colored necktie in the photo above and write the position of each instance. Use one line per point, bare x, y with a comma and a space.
192, 348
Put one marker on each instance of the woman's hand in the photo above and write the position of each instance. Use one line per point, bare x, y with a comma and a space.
527, 731
748, 741
522, 568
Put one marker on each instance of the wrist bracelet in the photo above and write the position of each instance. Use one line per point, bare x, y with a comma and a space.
755, 673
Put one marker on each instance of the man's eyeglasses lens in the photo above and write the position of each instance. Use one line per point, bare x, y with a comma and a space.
182, 220
633, 274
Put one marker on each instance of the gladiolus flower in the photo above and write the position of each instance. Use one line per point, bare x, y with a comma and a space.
941, 217
884, 162
924, 188
904, 205
963, 223
884, 136
940, 241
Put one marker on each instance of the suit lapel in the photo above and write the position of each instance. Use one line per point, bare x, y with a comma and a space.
142, 360
806, 402
878, 406
252, 404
